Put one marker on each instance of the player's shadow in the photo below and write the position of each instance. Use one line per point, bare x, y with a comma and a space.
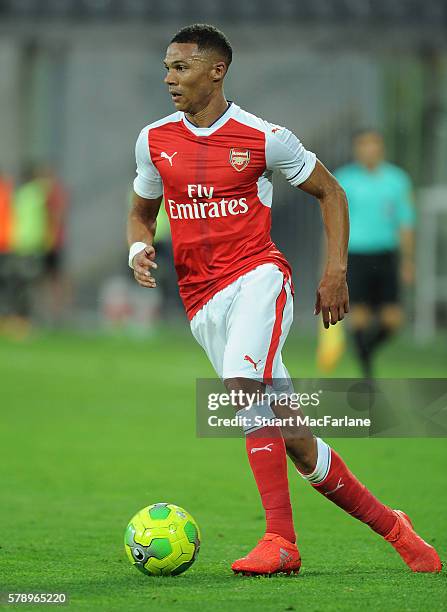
375, 572
130, 579
219, 575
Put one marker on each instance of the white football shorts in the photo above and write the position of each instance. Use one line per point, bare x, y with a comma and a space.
243, 327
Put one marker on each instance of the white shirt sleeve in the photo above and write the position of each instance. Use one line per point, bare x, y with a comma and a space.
147, 183
283, 151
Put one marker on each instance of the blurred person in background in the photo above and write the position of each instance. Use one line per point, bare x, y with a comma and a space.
39, 211
56, 285
6, 228
381, 244
29, 241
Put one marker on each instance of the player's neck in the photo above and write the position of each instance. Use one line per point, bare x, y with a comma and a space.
210, 113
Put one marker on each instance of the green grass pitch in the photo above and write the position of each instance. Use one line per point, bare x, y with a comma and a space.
93, 429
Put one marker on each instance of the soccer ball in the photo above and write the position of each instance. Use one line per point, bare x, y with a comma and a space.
162, 540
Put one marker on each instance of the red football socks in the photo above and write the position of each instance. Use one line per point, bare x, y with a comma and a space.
343, 488
267, 456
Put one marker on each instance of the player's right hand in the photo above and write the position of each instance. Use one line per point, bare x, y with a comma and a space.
143, 265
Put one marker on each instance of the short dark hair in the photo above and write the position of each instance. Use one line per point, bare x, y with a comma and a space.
366, 130
206, 37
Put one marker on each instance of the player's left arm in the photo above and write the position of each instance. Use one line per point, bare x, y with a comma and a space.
302, 169
332, 298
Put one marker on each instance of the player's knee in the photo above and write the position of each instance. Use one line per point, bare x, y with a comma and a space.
243, 388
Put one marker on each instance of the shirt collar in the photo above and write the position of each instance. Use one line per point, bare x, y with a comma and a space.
218, 123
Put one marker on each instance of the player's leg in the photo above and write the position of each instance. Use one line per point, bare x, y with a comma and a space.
258, 322
327, 472
267, 457
208, 326
276, 551
329, 475
223, 322
332, 478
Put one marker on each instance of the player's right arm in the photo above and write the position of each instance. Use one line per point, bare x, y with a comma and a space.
142, 220
141, 226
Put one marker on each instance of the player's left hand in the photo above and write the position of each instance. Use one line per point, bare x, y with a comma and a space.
332, 299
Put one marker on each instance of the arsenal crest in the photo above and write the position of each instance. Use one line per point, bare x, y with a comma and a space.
239, 158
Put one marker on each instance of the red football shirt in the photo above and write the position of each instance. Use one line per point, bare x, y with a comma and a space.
217, 189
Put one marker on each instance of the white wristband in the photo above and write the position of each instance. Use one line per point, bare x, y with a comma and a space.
137, 247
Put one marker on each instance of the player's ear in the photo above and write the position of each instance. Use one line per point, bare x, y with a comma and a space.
218, 72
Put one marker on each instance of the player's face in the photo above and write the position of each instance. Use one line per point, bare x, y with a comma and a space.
369, 149
190, 77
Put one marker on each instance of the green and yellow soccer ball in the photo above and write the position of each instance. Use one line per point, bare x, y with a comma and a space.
162, 540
